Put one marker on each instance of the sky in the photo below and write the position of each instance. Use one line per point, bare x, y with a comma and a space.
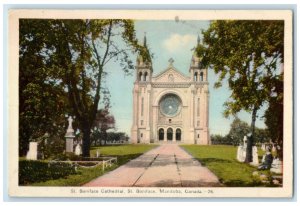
169, 39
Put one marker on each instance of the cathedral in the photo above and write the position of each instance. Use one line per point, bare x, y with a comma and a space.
170, 106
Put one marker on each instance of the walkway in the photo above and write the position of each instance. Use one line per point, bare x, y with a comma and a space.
165, 166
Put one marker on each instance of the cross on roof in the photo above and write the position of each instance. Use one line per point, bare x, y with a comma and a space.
171, 60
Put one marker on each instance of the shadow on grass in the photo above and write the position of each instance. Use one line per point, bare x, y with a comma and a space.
205, 161
239, 183
108, 145
122, 159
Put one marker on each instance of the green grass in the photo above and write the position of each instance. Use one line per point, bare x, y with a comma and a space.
221, 160
124, 153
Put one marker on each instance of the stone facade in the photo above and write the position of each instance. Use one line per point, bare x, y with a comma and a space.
169, 106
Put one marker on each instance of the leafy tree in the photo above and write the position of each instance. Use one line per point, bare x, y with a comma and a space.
219, 139
238, 129
42, 102
262, 135
248, 54
77, 52
274, 116
103, 122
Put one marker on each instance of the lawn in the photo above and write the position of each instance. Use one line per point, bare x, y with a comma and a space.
124, 153
221, 160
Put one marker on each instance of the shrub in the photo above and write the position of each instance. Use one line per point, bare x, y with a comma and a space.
39, 171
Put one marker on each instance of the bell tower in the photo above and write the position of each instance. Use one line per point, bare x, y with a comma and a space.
144, 64
197, 71
140, 132
199, 99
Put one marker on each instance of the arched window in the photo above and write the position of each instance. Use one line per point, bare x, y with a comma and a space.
201, 76
196, 76
145, 76
140, 76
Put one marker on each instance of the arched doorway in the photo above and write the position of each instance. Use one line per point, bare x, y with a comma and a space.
169, 134
161, 134
178, 134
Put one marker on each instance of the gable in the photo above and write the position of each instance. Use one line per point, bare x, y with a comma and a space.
170, 75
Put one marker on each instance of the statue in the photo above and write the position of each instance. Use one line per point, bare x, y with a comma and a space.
78, 150
70, 130
70, 136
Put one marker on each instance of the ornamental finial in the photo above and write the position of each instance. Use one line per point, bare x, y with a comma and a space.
171, 61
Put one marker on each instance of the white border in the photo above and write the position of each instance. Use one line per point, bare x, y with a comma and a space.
14, 15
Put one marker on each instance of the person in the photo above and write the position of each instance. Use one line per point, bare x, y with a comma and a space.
267, 160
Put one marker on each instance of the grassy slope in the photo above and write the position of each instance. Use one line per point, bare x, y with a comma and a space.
124, 153
221, 160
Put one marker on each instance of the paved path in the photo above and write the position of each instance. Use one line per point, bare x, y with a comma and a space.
165, 166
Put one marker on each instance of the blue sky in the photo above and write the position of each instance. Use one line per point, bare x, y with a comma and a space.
168, 39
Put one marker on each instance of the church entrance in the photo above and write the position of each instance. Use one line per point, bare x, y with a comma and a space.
178, 134
161, 134
169, 134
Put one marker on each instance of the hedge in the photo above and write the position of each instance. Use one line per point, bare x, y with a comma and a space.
40, 171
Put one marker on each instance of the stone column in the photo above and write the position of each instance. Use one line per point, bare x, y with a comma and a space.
134, 132
154, 122
148, 108
148, 119
192, 108
134, 108
165, 136
207, 108
70, 136
174, 136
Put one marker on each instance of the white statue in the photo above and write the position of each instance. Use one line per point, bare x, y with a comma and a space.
254, 156
70, 128
276, 166
33, 151
78, 150
241, 153
245, 142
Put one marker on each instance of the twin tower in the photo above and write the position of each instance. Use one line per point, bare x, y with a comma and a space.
170, 107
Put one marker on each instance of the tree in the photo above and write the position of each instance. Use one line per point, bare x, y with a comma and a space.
238, 129
103, 122
42, 102
218, 139
262, 135
78, 52
248, 54
274, 116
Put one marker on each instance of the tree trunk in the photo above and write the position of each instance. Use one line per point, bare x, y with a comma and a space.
250, 138
105, 137
86, 141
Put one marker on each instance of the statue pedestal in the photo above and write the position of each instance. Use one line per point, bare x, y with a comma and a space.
69, 144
